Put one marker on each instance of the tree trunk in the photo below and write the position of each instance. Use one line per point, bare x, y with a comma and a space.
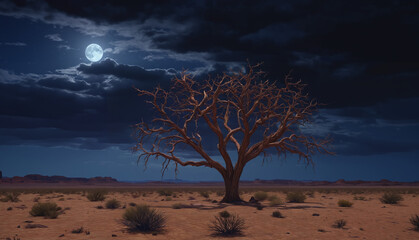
231, 182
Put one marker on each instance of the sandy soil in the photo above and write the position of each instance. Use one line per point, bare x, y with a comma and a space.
369, 219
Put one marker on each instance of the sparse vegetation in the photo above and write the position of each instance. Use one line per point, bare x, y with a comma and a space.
165, 192
112, 204
362, 198
168, 199
414, 220
344, 203
227, 226
177, 206
339, 223
142, 218
391, 198
277, 214
259, 207
274, 201
296, 197
260, 196
47, 210
96, 195
204, 194
11, 197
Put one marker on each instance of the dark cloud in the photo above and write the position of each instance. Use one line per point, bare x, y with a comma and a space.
88, 106
358, 57
111, 67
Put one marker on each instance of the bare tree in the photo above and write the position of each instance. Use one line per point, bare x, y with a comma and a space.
245, 112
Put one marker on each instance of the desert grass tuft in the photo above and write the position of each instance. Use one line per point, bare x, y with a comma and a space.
96, 195
165, 192
112, 204
391, 198
142, 218
227, 226
414, 220
344, 203
274, 201
11, 197
47, 210
260, 196
277, 214
177, 206
296, 197
339, 223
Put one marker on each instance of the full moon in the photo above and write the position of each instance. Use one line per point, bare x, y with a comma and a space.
94, 52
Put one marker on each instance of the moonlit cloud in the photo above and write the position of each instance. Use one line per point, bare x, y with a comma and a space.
15, 44
54, 37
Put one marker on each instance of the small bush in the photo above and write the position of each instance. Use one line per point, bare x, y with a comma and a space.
113, 204
165, 192
339, 223
96, 196
132, 204
344, 203
204, 194
177, 206
168, 199
47, 210
277, 214
274, 201
296, 197
220, 193
227, 226
11, 197
391, 198
224, 214
259, 207
414, 220
260, 196
142, 218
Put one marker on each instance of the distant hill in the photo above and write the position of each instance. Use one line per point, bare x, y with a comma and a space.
36, 178
40, 179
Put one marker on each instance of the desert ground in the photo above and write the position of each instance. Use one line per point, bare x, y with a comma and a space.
367, 218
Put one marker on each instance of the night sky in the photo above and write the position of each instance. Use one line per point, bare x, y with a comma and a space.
61, 114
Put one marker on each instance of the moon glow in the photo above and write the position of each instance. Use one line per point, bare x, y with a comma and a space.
94, 52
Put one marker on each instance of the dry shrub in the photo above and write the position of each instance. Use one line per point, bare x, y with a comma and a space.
391, 198
414, 220
47, 210
260, 196
277, 214
96, 195
227, 226
344, 203
113, 204
339, 223
142, 218
296, 197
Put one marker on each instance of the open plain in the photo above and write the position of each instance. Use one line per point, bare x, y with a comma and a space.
367, 218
